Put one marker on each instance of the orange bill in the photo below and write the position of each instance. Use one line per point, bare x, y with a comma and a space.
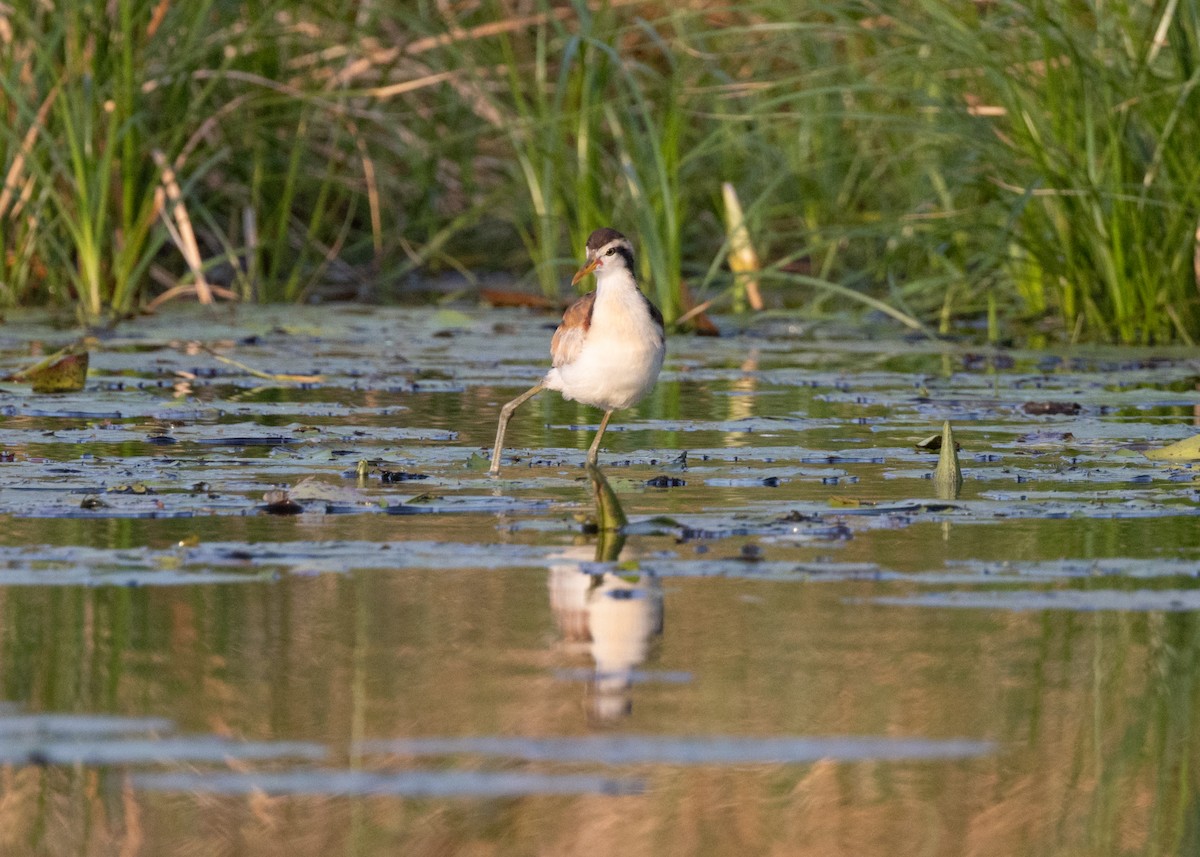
585, 270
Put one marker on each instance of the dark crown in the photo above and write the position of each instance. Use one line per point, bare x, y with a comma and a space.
602, 236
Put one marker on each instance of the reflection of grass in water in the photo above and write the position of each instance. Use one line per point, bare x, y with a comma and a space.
1127, 737
311, 656
1161, 746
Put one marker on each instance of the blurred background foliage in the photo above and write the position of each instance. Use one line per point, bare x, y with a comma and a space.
1021, 166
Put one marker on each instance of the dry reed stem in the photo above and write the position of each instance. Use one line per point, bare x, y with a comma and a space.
23, 198
379, 93
368, 165
495, 28
743, 260
380, 56
1196, 258
1036, 191
178, 291
207, 126
1180, 327
258, 373
1160, 40
181, 230
695, 311
394, 89
156, 18
13, 178
134, 838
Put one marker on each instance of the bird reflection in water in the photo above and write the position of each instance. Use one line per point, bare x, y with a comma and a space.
612, 615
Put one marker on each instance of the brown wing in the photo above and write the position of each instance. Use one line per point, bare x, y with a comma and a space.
568, 339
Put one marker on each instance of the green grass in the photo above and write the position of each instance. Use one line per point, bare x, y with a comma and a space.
1029, 166
1090, 153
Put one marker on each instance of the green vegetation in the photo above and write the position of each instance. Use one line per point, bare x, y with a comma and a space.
1014, 162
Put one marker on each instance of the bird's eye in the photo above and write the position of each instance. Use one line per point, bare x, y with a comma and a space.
611, 250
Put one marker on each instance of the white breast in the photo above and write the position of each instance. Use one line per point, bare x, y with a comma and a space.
621, 355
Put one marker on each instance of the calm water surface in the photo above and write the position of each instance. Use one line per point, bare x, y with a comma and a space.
798, 648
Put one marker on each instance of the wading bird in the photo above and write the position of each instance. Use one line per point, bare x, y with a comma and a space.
609, 348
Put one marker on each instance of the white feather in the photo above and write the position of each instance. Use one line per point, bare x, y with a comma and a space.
622, 352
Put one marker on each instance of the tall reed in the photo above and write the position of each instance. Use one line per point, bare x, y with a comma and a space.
85, 110
1084, 118
267, 158
1002, 160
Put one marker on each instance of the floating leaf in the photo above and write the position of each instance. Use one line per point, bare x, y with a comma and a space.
313, 489
451, 319
64, 371
131, 488
1187, 449
477, 462
947, 477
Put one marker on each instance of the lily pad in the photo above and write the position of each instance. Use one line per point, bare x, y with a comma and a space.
1187, 449
65, 372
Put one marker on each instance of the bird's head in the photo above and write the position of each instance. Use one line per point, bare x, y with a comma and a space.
607, 250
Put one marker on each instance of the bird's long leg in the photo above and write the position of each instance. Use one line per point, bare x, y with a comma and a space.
594, 451
505, 415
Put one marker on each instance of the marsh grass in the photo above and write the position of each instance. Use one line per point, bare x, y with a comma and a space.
1088, 121
263, 162
85, 115
1000, 161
